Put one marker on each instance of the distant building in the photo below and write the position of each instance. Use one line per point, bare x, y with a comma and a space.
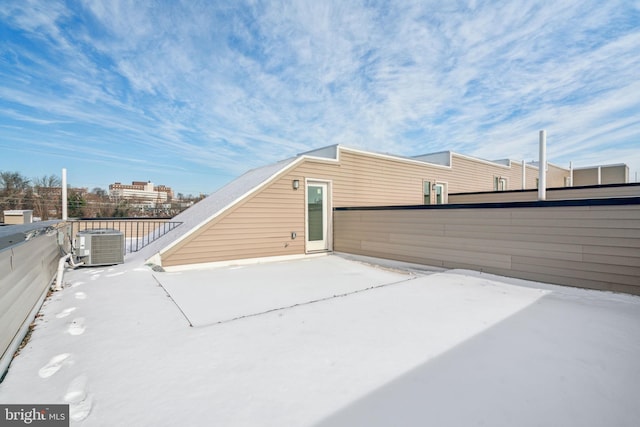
141, 191
22, 216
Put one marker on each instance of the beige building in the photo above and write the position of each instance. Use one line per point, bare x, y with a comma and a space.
141, 191
285, 209
601, 175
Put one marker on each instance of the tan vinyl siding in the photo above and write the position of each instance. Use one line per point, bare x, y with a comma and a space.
617, 174
469, 174
261, 225
594, 247
361, 180
258, 227
583, 177
610, 174
556, 176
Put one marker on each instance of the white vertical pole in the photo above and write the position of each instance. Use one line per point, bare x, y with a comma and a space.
542, 167
524, 175
599, 175
570, 174
64, 194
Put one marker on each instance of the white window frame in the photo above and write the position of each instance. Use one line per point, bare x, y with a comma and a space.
445, 197
500, 183
328, 216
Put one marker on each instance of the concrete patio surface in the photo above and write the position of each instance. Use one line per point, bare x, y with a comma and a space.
210, 296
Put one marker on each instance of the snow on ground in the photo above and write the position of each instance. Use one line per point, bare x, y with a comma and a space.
448, 349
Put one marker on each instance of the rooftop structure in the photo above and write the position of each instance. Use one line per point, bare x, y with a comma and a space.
225, 226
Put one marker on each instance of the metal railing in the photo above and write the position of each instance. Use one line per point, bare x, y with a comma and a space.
138, 232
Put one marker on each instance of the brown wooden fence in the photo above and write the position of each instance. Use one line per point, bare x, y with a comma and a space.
585, 243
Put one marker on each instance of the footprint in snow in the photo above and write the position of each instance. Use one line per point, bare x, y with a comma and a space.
54, 365
77, 326
80, 403
76, 284
79, 411
77, 390
65, 312
81, 295
95, 277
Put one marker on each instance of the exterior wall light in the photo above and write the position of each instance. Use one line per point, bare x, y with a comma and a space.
296, 184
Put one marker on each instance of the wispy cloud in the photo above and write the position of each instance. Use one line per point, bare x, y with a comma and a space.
215, 89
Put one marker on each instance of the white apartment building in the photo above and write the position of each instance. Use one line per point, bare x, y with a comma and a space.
141, 191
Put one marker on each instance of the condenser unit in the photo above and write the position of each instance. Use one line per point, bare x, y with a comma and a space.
100, 247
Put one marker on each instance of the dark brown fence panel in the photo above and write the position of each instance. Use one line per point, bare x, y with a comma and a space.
589, 243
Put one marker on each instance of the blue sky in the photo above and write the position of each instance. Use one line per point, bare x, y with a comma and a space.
191, 94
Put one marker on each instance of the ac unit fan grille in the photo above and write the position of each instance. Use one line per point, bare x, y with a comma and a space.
100, 247
106, 249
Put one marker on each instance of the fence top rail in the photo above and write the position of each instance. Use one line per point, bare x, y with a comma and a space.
133, 218
535, 190
619, 201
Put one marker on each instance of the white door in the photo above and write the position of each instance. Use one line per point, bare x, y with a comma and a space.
317, 211
440, 194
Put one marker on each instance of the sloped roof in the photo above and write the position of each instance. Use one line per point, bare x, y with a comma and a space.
214, 204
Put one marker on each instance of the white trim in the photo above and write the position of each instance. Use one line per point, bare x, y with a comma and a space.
498, 179
392, 157
240, 262
320, 150
483, 161
445, 192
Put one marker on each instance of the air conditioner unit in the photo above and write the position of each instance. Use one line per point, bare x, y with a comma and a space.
100, 247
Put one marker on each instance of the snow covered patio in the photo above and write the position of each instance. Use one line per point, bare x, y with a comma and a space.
397, 346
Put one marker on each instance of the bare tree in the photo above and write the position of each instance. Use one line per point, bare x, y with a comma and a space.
15, 192
47, 197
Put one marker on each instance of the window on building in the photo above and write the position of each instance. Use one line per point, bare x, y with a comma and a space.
427, 192
499, 183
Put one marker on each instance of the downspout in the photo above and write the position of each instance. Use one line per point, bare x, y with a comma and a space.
542, 167
524, 175
599, 175
570, 174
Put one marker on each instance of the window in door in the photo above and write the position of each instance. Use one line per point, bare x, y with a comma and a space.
427, 192
440, 194
317, 216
